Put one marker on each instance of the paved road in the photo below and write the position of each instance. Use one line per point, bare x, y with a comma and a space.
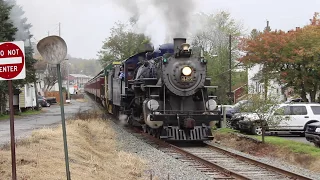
25, 125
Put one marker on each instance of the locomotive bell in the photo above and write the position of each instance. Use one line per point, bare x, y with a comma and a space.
177, 42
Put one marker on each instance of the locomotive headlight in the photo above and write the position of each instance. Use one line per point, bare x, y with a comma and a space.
185, 46
186, 71
153, 104
211, 104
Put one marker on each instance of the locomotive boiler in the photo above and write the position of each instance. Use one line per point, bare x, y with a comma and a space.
171, 99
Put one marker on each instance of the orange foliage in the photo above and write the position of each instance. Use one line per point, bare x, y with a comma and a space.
294, 53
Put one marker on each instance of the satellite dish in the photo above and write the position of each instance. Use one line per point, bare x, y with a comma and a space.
53, 49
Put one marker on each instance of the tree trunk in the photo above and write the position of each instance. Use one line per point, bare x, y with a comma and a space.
265, 82
263, 131
303, 93
312, 96
265, 88
313, 93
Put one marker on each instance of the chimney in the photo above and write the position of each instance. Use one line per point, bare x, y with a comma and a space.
177, 43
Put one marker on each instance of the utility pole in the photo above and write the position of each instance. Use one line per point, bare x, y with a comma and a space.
59, 29
35, 81
68, 90
230, 70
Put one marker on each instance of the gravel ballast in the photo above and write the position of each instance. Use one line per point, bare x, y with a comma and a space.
159, 163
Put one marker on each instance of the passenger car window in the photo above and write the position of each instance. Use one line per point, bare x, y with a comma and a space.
299, 110
315, 110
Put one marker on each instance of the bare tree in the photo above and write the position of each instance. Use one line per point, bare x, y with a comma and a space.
263, 113
49, 73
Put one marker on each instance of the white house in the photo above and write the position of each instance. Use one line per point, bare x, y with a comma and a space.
26, 99
255, 86
275, 88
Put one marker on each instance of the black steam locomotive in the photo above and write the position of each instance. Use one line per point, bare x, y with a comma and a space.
163, 91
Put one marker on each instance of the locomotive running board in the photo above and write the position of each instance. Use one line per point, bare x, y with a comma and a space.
215, 87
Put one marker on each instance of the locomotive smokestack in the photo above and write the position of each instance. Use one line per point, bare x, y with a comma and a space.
177, 43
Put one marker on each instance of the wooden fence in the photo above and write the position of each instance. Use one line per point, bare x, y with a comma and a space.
56, 95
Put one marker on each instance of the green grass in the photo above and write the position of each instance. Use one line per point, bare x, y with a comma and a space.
294, 146
26, 113
225, 130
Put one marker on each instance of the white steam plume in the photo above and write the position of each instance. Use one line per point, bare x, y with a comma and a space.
20, 22
162, 20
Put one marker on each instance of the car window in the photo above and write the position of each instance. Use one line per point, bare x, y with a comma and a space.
299, 110
284, 110
315, 110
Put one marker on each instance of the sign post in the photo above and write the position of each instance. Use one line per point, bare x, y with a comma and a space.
12, 66
53, 49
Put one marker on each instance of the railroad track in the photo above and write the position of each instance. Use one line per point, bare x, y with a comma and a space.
216, 162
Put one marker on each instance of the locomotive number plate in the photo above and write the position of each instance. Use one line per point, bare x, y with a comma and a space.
186, 78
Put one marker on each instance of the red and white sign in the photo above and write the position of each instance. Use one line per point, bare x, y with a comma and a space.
12, 60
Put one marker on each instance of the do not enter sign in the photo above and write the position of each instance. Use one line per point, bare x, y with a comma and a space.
12, 60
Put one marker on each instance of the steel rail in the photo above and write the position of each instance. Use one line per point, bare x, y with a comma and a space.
258, 163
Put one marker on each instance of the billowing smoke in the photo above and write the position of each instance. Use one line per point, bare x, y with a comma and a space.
20, 22
177, 15
162, 20
130, 6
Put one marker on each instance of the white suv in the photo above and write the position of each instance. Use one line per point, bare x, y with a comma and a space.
296, 116
292, 117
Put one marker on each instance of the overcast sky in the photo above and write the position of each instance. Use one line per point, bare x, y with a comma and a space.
86, 23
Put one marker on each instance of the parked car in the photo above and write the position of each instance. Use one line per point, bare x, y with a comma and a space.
237, 113
229, 110
51, 100
293, 118
312, 133
43, 101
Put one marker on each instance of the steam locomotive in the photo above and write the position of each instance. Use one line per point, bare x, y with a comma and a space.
164, 91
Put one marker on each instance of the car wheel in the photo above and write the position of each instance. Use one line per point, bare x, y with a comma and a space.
48, 104
256, 130
228, 123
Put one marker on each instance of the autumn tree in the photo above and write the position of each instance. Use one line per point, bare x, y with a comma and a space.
213, 37
302, 69
291, 57
122, 43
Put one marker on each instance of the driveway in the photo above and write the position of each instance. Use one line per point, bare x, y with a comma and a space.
25, 125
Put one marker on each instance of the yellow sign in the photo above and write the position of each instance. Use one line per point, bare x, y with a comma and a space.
116, 63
